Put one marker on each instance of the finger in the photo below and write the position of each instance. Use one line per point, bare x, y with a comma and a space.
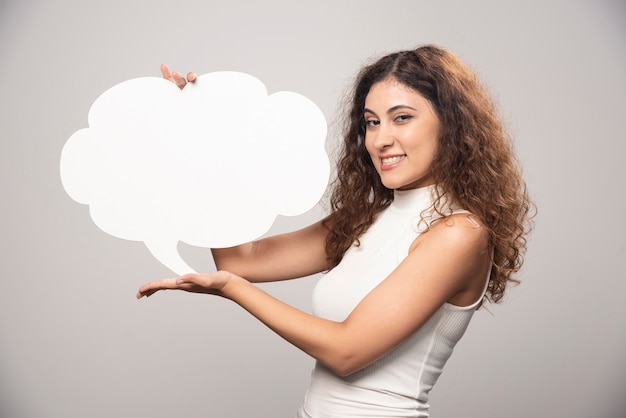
197, 283
189, 281
191, 77
165, 71
179, 79
146, 293
152, 287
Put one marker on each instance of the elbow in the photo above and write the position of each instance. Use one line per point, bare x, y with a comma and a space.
343, 371
346, 352
345, 364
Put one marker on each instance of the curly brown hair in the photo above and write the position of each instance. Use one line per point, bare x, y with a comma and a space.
475, 165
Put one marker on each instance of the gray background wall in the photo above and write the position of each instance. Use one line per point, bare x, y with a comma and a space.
74, 342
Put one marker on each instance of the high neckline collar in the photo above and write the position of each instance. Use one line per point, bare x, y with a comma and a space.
410, 200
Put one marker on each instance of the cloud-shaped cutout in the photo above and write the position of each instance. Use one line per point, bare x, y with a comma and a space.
211, 165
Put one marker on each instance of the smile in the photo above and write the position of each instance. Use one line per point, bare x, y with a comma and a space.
392, 160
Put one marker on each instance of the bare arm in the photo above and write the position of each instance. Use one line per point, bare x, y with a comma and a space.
281, 257
449, 263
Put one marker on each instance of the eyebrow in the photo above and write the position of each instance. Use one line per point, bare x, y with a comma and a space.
391, 109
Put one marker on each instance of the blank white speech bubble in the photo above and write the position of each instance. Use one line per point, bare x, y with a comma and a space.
211, 165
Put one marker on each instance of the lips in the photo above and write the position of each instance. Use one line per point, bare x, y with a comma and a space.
389, 161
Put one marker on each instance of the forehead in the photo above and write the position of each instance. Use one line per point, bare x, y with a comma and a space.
390, 92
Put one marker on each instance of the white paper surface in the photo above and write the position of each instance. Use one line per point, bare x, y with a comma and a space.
211, 165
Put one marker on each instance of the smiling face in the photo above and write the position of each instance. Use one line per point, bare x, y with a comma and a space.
401, 135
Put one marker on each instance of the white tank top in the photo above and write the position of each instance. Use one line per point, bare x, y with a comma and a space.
396, 385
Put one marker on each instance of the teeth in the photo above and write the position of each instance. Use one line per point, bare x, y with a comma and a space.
392, 160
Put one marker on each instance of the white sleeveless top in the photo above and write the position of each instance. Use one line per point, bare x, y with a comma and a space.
396, 385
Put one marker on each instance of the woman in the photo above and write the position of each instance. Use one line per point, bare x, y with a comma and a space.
428, 219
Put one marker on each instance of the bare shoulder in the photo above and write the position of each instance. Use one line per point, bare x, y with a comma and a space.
457, 249
461, 231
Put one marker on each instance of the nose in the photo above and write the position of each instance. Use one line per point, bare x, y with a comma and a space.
384, 137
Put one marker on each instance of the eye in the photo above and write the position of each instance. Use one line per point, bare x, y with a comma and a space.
403, 118
371, 122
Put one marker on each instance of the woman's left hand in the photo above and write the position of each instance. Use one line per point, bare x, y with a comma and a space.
213, 283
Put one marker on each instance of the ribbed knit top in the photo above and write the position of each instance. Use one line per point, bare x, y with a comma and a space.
396, 385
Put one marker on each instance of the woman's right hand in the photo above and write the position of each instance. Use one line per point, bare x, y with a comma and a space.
213, 283
176, 77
